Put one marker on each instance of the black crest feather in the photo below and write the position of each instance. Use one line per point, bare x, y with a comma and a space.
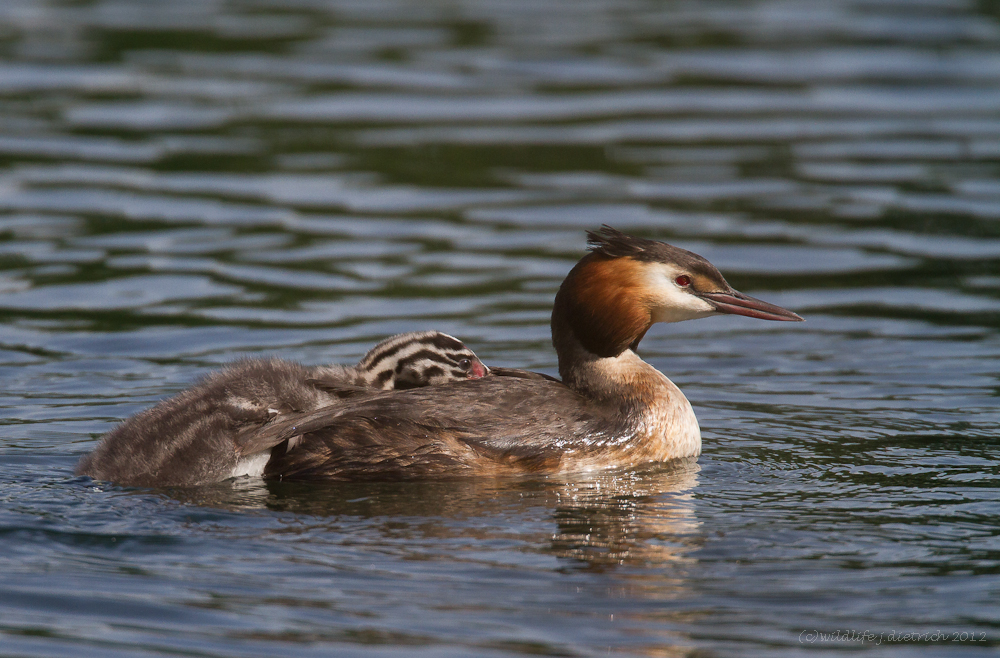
611, 242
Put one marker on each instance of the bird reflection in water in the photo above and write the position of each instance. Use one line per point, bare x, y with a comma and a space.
639, 517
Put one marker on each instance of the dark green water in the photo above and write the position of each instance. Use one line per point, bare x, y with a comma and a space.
185, 182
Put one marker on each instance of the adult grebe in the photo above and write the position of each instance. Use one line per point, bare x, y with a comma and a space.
611, 408
195, 436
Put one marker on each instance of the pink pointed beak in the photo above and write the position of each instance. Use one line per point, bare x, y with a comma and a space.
737, 303
478, 369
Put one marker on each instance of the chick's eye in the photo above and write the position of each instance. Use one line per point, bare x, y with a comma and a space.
683, 281
465, 364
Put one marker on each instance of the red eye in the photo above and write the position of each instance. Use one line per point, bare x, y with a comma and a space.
683, 281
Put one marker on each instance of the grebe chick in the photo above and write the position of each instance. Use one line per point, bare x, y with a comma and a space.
611, 408
410, 360
194, 437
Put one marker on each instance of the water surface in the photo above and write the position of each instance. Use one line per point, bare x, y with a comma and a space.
185, 183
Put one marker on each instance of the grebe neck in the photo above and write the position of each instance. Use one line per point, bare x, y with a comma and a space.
624, 380
596, 328
649, 408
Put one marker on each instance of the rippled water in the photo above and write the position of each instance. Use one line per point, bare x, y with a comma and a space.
182, 183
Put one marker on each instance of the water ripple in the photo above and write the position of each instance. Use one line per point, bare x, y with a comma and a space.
184, 183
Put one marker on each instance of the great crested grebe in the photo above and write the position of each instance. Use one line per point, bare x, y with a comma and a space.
195, 436
611, 408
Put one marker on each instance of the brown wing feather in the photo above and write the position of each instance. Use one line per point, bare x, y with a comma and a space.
521, 374
453, 430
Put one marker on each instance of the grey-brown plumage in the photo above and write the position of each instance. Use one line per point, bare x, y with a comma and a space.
504, 424
611, 409
194, 437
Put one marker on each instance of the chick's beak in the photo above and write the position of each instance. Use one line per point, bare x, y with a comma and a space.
736, 303
478, 369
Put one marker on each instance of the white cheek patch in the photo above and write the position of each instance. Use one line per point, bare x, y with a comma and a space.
671, 303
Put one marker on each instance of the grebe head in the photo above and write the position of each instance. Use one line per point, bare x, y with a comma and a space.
416, 359
626, 284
